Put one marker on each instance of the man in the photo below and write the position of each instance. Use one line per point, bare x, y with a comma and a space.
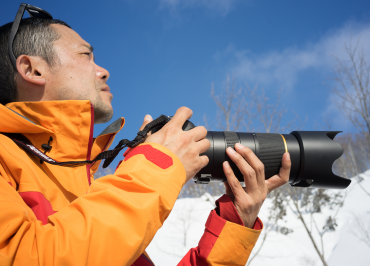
51, 95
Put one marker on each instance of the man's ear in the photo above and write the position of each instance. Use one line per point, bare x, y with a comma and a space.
32, 69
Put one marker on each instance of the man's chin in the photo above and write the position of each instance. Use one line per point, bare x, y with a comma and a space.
103, 113
101, 119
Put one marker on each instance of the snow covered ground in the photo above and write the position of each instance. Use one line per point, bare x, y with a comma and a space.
184, 227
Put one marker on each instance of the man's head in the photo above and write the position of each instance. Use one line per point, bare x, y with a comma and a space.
53, 63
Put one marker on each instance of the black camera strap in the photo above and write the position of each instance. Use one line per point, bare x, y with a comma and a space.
109, 155
154, 126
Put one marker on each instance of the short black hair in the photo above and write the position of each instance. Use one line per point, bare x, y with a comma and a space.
35, 37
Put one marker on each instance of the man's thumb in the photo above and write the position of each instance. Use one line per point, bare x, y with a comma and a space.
147, 120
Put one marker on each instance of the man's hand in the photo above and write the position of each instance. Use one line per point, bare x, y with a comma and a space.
248, 200
187, 145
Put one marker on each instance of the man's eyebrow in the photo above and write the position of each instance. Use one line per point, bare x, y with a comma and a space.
88, 46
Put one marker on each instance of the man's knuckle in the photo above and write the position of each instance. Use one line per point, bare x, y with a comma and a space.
251, 174
234, 183
260, 168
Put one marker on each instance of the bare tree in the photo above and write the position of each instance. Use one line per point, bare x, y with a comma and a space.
362, 228
352, 87
233, 110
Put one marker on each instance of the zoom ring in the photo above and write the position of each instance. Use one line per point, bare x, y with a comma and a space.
231, 139
271, 150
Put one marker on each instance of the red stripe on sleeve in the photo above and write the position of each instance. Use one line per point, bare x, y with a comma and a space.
40, 206
151, 154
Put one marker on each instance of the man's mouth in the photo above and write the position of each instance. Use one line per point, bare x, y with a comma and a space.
106, 89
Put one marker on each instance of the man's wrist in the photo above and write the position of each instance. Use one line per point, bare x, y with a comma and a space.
225, 208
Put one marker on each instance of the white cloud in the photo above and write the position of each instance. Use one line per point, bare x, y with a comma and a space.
276, 69
336, 117
283, 67
220, 7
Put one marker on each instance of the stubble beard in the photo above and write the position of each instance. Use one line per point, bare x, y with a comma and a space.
103, 112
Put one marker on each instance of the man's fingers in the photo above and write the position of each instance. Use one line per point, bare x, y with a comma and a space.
147, 120
283, 176
247, 171
203, 145
234, 183
254, 162
204, 160
198, 133
178, 120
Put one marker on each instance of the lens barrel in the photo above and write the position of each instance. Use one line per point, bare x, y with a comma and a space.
312, 155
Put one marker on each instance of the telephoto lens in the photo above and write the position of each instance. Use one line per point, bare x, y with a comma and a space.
312, 154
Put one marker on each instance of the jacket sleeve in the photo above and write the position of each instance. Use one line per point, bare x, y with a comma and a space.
111, 225
225, 240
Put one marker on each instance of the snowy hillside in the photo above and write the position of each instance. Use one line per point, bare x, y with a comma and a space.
184, 227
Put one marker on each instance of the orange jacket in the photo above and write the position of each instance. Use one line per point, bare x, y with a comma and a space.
57, 215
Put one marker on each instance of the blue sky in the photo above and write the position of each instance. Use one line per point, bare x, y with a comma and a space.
163, 54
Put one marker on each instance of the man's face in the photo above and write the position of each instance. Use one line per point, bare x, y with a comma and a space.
77, 77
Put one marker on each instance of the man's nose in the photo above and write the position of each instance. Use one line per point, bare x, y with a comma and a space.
102, 73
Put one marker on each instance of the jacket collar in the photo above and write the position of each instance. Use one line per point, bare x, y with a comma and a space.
70, 123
